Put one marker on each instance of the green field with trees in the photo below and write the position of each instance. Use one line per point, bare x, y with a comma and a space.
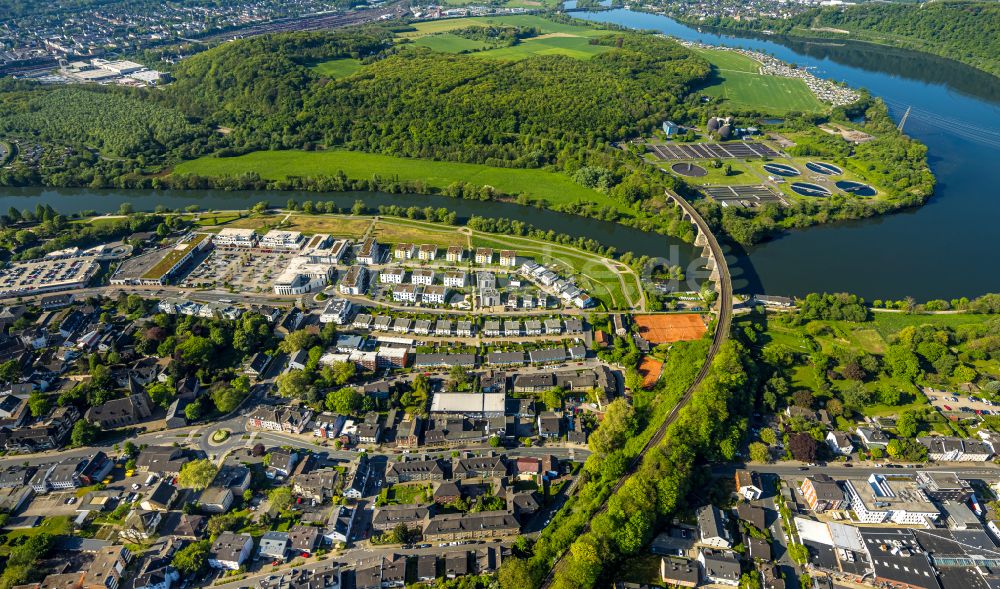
855, 360
552, 187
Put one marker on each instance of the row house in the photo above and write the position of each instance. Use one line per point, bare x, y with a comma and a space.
288, 419
455, 279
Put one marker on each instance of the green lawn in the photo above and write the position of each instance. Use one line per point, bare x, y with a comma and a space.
555, 38
729, 60
450, 43
770, 94
407, 494
275, 165
338, 68
740, 173
890, 323
55, 526
544, 25
577, 47
739, 83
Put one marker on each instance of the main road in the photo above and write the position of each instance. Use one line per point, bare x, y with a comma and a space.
724, 312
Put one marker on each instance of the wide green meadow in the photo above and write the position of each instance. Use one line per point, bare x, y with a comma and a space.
738, 82
338, 68
555, 38
277, 165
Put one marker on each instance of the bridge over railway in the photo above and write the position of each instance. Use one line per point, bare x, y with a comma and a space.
723, 310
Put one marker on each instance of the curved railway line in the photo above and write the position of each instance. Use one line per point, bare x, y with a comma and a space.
724, 311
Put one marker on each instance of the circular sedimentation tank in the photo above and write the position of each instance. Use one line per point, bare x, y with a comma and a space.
825, 168
807, 189
782, 170
688, 169
856, 188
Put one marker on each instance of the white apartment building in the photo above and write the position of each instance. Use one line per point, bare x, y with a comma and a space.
337, 311
392, 276
434, 295
233, 237
423, 276
455, 279
355, 282
369, 253
484, 255
428, 252
403, 251
877, 500
277, 239
405, 293
508, 258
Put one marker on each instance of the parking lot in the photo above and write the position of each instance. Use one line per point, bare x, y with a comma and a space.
243, 270
26, 277
955, 403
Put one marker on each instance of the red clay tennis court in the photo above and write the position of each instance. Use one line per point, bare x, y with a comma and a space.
650, 369
665, 329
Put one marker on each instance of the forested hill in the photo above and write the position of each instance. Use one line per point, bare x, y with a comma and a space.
410, 101
966, 31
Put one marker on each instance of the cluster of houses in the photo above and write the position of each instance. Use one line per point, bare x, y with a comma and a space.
922, 530
503, 408
45, 353
946, 550
939, 448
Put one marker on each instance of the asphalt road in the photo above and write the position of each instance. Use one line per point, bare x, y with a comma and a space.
973, 470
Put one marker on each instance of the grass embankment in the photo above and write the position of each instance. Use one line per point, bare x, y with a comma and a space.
336, 225
739, 82
396, 230
552, 187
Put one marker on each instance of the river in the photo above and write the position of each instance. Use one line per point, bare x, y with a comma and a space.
944, 249
74, 200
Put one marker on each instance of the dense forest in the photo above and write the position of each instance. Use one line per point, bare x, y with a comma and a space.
966, 31
418, 103
112, 123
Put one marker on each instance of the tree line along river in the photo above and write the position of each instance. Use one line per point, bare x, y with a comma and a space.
945, 249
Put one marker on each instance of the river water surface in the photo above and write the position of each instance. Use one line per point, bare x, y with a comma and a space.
947, 248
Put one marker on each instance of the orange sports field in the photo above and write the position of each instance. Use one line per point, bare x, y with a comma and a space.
650, 369
665, 329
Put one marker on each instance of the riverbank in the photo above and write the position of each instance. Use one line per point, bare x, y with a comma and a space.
961, 33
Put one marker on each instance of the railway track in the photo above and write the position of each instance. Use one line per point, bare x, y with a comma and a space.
725, 314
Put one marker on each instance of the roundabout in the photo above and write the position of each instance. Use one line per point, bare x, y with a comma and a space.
824, 168
856, 188
688, 169
219, 436
807, 189
782, 170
